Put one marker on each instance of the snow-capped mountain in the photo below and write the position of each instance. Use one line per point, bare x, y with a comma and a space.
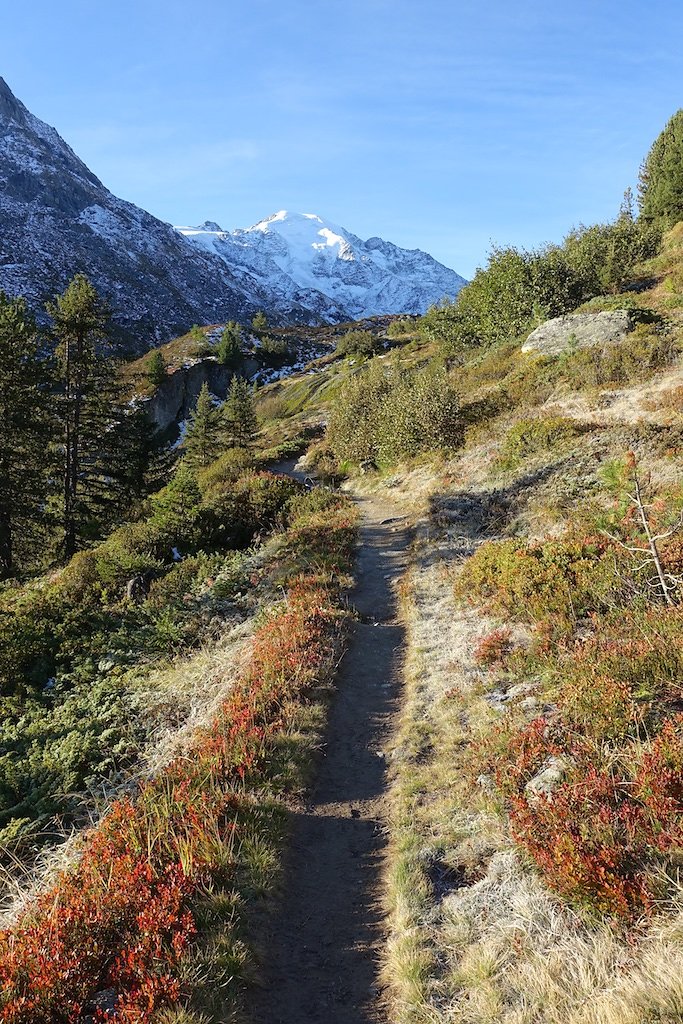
302, 259
57, 218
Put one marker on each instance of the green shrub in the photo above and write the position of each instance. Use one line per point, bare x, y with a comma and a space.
322, 462
358, 343
183, 579
519, 289
387, 413
640, 354
401, 330
232, 576
531, 582
532, 437
54, 746
234, 512
130, 551
226, 469
274, 346
301, 506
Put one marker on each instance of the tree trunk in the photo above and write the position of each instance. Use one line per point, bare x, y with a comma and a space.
6, 560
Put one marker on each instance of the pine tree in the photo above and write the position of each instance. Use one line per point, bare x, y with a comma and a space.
156, 368
96, 434
229, 348
24, 432
260, 321
239, 414
660, 187
202, 442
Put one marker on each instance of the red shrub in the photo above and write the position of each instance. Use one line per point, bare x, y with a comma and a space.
494, 647
591, 840
659, 785
120, 920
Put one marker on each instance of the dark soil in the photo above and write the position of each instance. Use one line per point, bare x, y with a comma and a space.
321, 953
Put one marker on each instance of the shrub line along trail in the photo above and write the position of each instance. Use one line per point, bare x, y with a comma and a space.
321, 950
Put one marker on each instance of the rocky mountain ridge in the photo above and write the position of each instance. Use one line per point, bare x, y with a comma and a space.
58, 219
302, 258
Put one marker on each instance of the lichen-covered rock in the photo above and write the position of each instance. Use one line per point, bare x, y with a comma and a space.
545, 783
580, 330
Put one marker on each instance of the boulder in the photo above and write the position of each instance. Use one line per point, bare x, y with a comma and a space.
580, 330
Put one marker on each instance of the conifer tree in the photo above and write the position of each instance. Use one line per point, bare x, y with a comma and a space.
229, 348
24, 432
239, 414
156, 368
660, 187
96, 434
260, 321
202, 442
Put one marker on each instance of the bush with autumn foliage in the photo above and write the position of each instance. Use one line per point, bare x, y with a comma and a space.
108, 939
593, 786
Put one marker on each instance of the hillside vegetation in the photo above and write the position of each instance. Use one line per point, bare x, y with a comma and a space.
165, 666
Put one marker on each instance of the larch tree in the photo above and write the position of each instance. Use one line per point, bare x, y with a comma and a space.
260, 321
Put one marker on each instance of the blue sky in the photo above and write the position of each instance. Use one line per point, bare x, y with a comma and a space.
438, 124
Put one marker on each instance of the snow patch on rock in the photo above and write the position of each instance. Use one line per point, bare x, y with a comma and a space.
299, 257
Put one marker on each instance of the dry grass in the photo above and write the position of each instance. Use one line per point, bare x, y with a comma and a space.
177, 700
475, 935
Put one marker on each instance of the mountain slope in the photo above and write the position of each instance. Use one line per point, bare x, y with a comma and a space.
57, 218
301, 258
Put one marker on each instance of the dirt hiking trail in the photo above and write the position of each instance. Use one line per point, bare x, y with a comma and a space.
322, 949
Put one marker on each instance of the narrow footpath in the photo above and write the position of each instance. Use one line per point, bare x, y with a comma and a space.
323, 949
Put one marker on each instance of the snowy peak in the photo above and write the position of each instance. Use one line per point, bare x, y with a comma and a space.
58, 219
301, 257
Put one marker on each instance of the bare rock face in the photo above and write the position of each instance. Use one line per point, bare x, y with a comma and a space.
580, 330
177, 396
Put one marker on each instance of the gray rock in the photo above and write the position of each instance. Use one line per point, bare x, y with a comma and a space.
580, 330
177, 395
547, 780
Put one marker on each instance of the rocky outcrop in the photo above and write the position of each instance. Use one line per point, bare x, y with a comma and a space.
173, 400
545, 782
580, 330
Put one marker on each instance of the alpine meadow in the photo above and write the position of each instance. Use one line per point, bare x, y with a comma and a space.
341, 597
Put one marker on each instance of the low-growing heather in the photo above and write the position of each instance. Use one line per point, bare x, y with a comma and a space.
593, 786
121, 922
555, 581
530, 437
